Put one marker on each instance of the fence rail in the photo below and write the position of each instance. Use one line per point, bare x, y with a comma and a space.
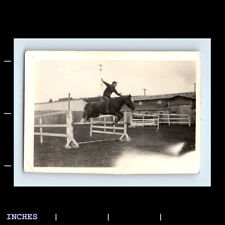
50, 134
139, 119
68, 125
142, 120
171, 119
113, 129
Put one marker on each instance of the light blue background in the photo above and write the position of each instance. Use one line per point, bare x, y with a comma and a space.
40, 179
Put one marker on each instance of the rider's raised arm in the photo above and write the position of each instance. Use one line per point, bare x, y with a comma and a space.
105, 83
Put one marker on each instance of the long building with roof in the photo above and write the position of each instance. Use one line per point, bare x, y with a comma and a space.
176, 103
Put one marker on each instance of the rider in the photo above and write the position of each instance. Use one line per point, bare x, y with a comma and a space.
110, 88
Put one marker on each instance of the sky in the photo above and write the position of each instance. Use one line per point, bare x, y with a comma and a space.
54, 79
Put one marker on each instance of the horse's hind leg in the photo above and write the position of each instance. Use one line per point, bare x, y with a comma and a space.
84, 118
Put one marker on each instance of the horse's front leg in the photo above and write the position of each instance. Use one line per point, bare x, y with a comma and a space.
118, 116
121, 116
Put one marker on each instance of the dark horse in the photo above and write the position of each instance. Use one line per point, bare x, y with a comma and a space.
94, 109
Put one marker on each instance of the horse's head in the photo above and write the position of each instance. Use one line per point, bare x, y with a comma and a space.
128, 102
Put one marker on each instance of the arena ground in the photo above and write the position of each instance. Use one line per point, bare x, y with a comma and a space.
144, 140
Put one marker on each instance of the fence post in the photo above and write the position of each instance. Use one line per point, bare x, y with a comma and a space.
169, 119
125, 122
41, 130
114, 130
189, 120
104, 124
68, 102
91, 127
69, 128
158, 122
143, 120
131, 120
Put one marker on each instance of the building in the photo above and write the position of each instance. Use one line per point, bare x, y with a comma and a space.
177, 103
76, 105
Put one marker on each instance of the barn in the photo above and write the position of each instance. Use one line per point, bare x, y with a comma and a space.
177, 103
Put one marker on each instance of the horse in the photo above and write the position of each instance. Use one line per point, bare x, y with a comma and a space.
95, 109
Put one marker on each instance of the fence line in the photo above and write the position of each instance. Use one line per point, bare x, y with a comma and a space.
140, 120
70, 141
175, 119
115, 129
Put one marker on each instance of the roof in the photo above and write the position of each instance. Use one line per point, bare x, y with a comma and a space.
149, 107
61, 100
92, 99
135, 98
191, 95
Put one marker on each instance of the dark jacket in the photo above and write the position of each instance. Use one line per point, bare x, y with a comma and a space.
109, 90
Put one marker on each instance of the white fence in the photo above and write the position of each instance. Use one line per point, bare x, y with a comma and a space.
103, 126
170, 119
97, 125
68, 125
142, 120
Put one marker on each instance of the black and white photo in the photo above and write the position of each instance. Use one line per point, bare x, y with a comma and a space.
112, 112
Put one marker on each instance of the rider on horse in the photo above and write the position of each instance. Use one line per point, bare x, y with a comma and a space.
110, 88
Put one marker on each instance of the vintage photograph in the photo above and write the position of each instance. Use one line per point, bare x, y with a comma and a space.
112, 112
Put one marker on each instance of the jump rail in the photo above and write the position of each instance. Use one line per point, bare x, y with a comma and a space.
113, 129
142, 120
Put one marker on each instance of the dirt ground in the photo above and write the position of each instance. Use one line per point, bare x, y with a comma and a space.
52, 153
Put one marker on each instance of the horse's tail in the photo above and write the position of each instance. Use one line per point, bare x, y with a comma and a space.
85, 107
85, 113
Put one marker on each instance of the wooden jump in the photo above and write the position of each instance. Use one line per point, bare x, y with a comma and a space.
114, 129
142, 120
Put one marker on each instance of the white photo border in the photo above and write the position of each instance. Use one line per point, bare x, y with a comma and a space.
38, 179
